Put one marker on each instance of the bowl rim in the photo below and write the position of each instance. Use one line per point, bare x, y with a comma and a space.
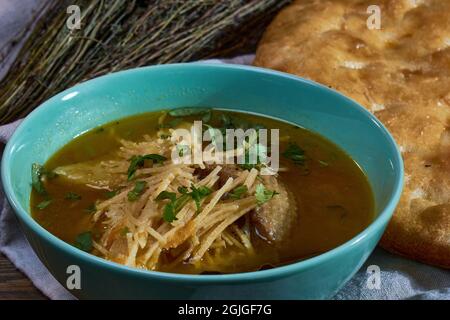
277, 272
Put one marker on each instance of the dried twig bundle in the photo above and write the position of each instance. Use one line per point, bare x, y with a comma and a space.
121, 34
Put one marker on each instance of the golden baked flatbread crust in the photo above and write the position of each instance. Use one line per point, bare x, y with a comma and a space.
401, 73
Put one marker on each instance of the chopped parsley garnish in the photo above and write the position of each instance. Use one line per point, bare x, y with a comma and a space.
72, 196
295, 153
176, 204
169, 213
137, 191
183, 190
165, 136
166, 195
263, 195
124, 231
138, 162
91, 208
248, 165
84, 241
173, 207
44, 204
238, 192
110, 194
36, 173
198, 194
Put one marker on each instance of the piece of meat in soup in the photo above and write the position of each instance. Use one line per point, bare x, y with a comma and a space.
275, 219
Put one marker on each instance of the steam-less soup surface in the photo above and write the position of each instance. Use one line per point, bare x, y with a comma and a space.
115, 192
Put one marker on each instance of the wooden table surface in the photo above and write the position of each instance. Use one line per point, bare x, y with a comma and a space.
15, 285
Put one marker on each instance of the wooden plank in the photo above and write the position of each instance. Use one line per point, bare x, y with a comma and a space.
14, 285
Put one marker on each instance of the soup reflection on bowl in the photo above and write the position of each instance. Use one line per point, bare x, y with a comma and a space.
202, 181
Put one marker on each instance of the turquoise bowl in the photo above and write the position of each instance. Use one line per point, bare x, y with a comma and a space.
248, 89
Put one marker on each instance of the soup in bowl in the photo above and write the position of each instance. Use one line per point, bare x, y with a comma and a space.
202, 181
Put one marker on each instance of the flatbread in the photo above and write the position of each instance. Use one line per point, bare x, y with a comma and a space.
401, 73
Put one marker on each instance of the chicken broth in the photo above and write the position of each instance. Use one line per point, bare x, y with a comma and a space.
115, 193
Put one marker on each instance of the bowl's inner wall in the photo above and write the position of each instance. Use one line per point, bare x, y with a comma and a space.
119, 95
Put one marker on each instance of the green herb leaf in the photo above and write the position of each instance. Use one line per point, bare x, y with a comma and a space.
110, 194
247, 165
36, 174
139, 187
259, 126
295, 153
238, 192
124, 231
263, 195
72, 196
165, 136
91, 208
138, 162
180, 202
190, 111
169, 213
84, 241
166, 195
198, 194
44, 204
183, 190
176, 204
